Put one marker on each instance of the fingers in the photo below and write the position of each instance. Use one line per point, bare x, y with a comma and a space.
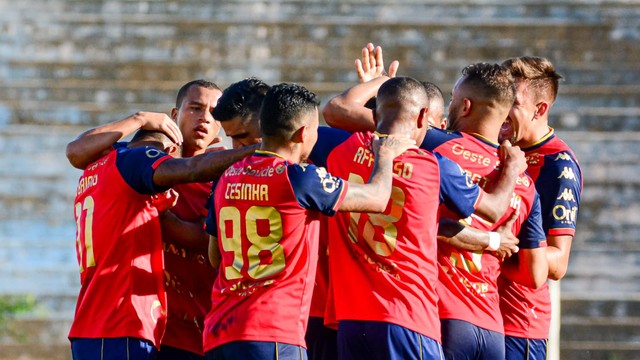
393, 68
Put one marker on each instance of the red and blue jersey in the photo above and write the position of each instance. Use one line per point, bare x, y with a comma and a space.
383, 265
467, 285
119, 248
558, 178
265, 215
188, 275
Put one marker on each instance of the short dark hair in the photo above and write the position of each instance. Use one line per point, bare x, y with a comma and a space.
433, 91
491, 82
151, 135
282, 107
201, 83
539, 72
243, 98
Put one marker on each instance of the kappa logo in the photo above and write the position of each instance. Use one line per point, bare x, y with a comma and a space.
567, 195
567, 173
563, 156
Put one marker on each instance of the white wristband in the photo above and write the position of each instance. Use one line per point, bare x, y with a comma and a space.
494, 241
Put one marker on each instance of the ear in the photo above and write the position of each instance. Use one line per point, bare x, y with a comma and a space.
300, 135
541, 109
173, 150
443, 123
466, 106
422, 119
174, 114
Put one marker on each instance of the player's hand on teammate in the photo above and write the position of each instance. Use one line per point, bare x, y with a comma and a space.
160, 122
372, 64
392, 145
512, 156
215, 141
165, 200
508, 241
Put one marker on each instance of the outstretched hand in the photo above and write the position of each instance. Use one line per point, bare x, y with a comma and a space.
372, 64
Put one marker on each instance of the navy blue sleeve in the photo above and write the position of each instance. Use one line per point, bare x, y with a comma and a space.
457, 191
136, 167
560, 186
436, 137
211, 222
328, 139
531, 233
316, 189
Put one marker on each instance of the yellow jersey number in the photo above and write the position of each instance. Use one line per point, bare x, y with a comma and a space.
387, 222
231, 239
84, 233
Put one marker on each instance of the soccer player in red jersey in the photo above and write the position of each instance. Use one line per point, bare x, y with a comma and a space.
121, 309
469, 309
558, 178
265, 216
185, 241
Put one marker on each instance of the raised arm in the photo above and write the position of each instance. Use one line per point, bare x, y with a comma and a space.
347, 111
493, 205
374, 195
95, 143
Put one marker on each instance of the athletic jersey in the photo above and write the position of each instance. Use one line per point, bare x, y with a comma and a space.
265, 214
390, 256
188, 275
321, 283
558, 178
468, 279
119, 248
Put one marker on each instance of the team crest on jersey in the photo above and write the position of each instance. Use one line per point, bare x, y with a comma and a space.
153, 153
329, 183
280, 168
533, 159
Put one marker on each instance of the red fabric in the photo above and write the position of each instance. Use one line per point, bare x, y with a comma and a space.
263, 295
188, 276
468, 288
122, 292
382, 266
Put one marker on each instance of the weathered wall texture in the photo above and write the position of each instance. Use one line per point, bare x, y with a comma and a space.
69, 65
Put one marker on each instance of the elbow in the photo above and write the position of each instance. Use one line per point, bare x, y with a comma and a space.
74, 159
328, 113
558, 273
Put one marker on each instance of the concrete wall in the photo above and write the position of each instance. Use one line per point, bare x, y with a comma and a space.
69, 65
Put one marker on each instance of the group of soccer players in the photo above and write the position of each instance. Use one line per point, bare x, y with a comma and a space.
384, 236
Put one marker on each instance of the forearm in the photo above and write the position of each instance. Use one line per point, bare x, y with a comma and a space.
92, 144
347, 111
494, 204
462, 237
558, 250
373, 196
187, 234
200, 168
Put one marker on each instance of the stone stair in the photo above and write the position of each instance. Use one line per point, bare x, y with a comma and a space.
600, 327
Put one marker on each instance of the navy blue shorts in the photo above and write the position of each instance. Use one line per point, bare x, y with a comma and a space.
112, 349
369, 340
525, 349
462, 340
322, 342
171, 353
257, 350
